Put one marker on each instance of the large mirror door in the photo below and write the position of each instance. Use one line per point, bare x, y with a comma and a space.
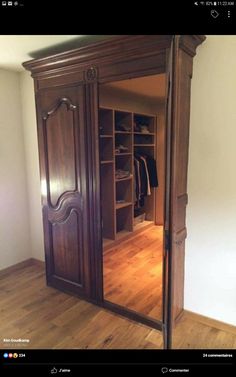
132, 175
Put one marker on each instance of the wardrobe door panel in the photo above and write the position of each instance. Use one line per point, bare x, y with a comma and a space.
60, 136
179, 197
62, 149
67, 248
179, 71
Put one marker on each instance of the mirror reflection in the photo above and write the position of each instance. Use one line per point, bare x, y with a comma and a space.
132, 150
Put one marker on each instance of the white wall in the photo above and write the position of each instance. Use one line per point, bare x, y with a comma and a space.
210, 273
32, 165
14, 220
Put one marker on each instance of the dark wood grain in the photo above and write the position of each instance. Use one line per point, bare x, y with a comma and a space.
67, 248
179, 166
62, 149
60, 136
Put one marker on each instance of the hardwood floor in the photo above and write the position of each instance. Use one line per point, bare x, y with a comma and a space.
52, 319
133, 273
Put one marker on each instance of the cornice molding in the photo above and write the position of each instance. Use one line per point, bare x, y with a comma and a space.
103, 53
100, 52
189, 43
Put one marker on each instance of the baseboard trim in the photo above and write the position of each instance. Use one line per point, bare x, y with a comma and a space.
15, 267
210, 322
18, 266
38, 262
178, 318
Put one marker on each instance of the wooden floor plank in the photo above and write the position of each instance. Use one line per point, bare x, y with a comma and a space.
133, 273
52, 319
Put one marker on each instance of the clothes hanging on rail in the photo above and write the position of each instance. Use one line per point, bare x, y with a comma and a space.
146, 172
152, 170
145, 177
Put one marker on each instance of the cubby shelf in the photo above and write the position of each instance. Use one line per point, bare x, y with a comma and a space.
123, 154
122, 205
123, 132
107, 162
144, 134
123, 179
144, 145
105, 136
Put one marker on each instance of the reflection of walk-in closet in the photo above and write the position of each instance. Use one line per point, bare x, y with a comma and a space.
131, 127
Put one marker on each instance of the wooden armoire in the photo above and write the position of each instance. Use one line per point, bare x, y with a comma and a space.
67, 99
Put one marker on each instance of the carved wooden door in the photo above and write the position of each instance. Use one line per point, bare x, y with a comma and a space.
62, 151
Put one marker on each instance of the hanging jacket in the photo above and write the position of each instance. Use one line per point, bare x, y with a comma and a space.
152, 170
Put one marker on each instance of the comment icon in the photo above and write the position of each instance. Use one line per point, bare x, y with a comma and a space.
164, 370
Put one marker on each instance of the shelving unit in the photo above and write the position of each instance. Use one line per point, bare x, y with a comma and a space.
122, 134
107, 171
145, 142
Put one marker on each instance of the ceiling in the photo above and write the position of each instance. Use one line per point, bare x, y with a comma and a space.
148, 86
16, 49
